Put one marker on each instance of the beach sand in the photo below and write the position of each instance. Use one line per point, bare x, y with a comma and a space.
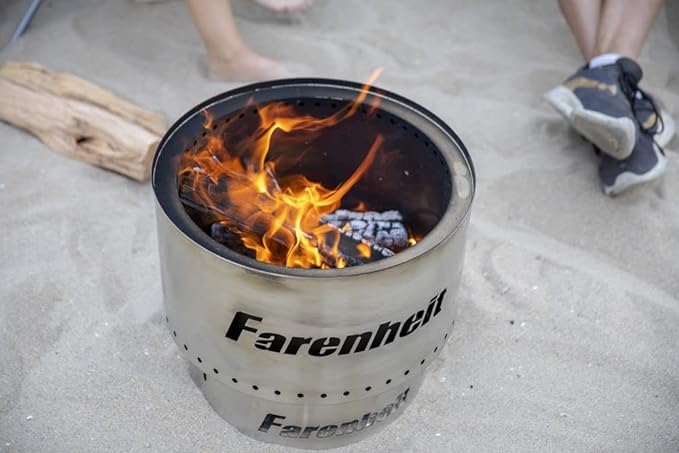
567, 336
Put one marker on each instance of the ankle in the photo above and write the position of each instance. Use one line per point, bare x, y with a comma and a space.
229, 54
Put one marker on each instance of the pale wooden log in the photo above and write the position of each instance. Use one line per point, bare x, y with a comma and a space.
79, 130
86, 123
39, 78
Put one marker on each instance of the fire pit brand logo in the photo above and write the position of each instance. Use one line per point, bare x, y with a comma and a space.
325, 346
339, 429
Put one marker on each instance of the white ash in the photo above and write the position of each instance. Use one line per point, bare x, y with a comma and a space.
384, 229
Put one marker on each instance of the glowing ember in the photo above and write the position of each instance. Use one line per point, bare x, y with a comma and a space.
280, 219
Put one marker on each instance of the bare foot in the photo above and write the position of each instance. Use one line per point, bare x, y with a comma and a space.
247, 66
280, 6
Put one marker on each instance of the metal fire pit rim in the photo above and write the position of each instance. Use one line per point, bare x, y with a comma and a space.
272, 270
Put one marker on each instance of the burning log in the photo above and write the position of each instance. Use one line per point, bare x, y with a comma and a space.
223, 232
351, 247
80, 119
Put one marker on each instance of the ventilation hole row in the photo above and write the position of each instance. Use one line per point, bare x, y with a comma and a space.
333, 105
417, 136
364, 110
318, 104
301, 395
346, 392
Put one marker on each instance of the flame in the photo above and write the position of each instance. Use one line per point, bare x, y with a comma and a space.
277, 218
364, 250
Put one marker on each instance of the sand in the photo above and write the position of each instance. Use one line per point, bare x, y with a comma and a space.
567, 335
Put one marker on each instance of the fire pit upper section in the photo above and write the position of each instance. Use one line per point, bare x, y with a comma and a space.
422, 170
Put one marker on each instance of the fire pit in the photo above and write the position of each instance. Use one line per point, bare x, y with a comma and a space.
311, 237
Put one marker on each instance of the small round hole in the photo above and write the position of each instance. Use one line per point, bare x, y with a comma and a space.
186, 348
234, 380
346, 393
254, 111
368, 388
406, 373
254, 387
215, 370
199, 360
392, 121
379, 115
323, 395
388, 381
277, 392
204, 134
300, 395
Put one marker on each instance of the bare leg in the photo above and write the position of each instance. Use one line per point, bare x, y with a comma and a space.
229, 58
583, 18
624, 26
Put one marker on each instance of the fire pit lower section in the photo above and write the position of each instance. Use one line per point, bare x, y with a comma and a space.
317, 426
317, 358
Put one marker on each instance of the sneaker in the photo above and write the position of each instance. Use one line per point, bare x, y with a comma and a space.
647, 162
596, 102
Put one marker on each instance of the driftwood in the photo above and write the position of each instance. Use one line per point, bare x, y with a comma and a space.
80, 119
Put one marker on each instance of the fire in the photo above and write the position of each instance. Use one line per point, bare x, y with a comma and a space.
279, 219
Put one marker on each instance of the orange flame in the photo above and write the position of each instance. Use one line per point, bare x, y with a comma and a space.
279, 221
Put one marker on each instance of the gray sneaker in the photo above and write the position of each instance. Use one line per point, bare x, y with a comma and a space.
647, 162
597, 103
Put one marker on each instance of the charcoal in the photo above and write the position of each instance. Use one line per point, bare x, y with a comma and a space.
383, 229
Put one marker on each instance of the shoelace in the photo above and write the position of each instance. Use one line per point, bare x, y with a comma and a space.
630, 88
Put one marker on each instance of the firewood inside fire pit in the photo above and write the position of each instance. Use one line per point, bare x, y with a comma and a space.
353, 245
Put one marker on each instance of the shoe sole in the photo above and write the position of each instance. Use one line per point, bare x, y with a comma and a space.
614, 136
627, 180
669, 129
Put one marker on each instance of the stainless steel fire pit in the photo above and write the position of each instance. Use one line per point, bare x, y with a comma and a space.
319, 358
